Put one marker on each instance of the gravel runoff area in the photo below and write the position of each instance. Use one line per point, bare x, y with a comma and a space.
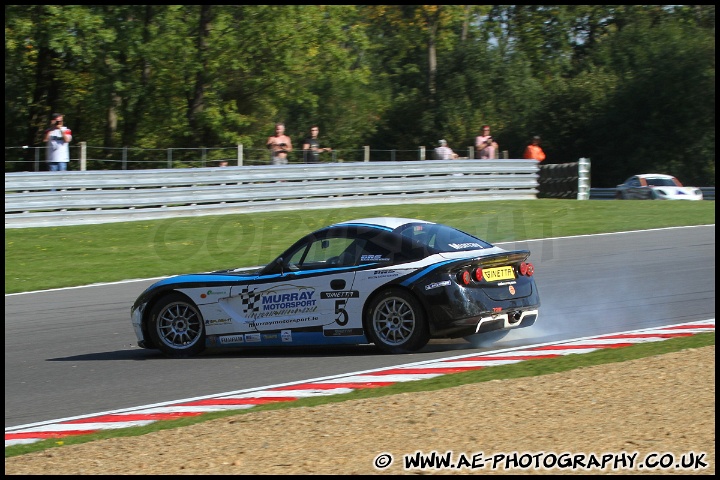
662, 405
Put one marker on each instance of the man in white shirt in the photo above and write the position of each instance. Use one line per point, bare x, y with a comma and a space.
443, 152
58, 138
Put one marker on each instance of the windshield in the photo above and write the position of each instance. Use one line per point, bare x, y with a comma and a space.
660, 182
441, 237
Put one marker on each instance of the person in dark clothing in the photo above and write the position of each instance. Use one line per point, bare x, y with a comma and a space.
312, 148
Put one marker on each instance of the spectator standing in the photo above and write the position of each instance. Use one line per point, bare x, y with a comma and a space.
485, 146
311, 146
443, 152
280, 145
57, 139
534, 150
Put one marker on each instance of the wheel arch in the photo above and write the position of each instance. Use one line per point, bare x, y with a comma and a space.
396, 327
152, 301
369, 300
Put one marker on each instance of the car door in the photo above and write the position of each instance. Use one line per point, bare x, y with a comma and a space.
636, 190
309, 293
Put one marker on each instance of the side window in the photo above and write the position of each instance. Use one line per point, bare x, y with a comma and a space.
321, 253
375, 253
296, 259
351, 255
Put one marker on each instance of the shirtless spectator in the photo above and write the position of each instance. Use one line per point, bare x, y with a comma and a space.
280, 145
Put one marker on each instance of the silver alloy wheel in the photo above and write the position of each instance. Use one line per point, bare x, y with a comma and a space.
179, 325
393, 321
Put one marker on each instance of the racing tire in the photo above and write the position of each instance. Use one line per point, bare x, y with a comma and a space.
486, 339
176, 327
396, 322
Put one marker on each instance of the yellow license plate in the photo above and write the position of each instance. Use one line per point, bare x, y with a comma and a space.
499, 273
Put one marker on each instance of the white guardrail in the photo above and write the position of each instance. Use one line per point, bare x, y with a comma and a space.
40, 199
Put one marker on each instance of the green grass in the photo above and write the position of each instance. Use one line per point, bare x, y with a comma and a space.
529, 368
54, 257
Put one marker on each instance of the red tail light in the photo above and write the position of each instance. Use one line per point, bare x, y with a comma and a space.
526, 269
478, 274
465, 277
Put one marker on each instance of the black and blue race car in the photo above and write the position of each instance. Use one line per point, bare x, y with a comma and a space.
393, 282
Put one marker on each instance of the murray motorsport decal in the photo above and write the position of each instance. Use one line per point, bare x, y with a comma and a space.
279, 301
296, 305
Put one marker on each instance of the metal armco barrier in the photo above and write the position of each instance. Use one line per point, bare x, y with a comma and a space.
39, 199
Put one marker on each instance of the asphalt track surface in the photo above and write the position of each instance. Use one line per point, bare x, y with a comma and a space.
72, 352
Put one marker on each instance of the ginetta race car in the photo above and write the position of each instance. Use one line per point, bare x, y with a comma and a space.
393, 282
656, 186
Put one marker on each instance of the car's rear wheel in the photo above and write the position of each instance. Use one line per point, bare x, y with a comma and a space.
396, 322
486, 339
177, 327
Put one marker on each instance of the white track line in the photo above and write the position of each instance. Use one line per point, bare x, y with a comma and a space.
338, 384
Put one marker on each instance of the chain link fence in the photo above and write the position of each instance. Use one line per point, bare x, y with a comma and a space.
86, 157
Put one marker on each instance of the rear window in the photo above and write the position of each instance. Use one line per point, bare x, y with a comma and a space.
442, 238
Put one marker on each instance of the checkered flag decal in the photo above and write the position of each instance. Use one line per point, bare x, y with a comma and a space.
250, 300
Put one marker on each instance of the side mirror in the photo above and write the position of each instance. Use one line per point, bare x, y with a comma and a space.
276, 266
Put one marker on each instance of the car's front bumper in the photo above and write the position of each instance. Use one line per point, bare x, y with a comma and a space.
136, 316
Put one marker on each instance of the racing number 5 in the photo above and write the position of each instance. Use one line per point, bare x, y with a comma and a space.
342, 315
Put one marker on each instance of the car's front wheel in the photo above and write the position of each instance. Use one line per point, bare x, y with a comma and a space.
396, 322
177, 327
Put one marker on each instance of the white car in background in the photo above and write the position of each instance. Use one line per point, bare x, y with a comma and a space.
656, 186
